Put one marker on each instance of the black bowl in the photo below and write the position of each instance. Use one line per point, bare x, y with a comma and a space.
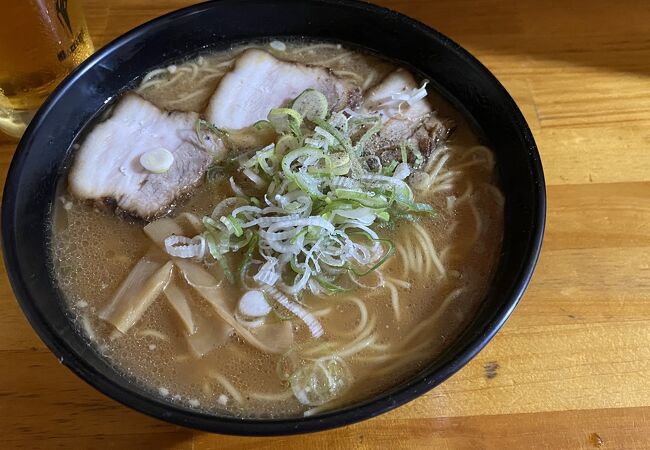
39, 160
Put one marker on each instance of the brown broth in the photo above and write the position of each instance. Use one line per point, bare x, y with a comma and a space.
93, 250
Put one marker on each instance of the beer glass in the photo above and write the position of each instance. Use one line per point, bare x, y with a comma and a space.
41, 41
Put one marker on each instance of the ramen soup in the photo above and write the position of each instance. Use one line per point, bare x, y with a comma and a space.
276, 230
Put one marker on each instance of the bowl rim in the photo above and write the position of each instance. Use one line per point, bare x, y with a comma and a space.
261, 427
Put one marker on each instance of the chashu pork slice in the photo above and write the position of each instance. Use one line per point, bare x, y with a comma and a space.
400, 120
379, 99
107, 165
415, 122
260, 82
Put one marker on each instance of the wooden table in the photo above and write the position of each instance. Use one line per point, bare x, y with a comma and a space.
571, 369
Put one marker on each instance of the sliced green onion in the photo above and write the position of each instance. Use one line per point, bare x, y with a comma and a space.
344, 141
285, 120
262, 125
374, 129
317, 196
214, 250
383, 215
416, 207
311, 104
364, 198
233, 224
388, 171
330, 287
308, 184
212, 225
252, 245
294, 265
285, 144
404, 152
419, 159
390, 252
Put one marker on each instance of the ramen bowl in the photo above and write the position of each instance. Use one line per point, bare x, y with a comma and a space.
43, 152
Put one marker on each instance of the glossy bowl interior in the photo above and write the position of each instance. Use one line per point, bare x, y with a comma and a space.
42, 154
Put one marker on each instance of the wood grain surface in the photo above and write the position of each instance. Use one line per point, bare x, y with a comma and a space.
571, 368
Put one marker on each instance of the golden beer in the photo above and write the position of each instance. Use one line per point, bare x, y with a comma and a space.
41, 41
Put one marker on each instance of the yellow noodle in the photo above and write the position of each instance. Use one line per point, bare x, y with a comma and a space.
227, 385
348, 74
369, 79
433, 174
401, 283
466, 195
426, 241
363, 314
478, 230
433, 156
322, 312
333, 59
496, 193
425, 324
418, 259
152, 74
441, 188
448, 176
405, 260
154, 334
189, 96
357, 347
394, 300
265, 396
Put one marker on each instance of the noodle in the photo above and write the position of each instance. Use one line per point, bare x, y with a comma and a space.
265, 396
485, 152
360, 342
433, 256
401, 283
363, 315
348, 74
309, 48
153, 334
436, 170
442, 188
498, 196
322, 312
466, 195
356, 347
188, 97
479, 222
227, 385
426, 323
368, 81
405, 260
394, 300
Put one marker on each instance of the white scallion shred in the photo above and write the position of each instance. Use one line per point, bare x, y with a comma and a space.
255, 178
402, 171
184, 247
315, 328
